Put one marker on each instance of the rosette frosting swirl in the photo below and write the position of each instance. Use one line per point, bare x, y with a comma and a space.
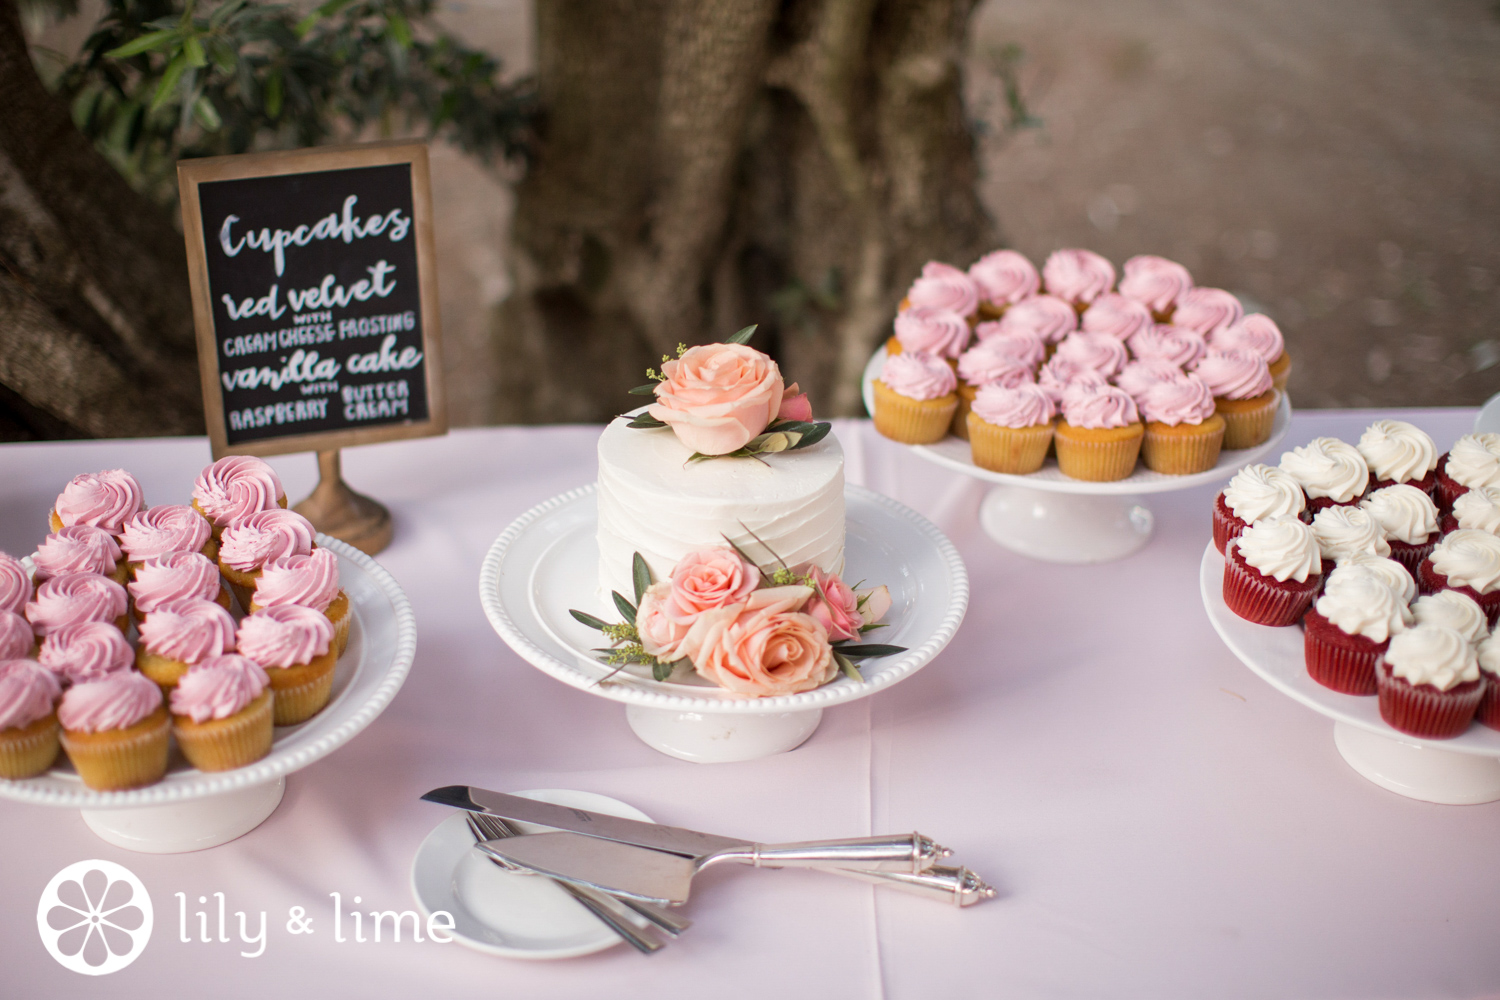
1403, 512
218, 687
75, 597
1099, 351
1078, 276
1360, 604
15, 584
1469, 558
1138, 376
1022, 406
163, 529
1282, 548
932, 331
251, 541
27, 693
285, 635
1182, 401
1343, 530
1155, 282
16, 637
237, 486
103, 499
1397, 451
1453, 609
1479, 509
991, 363
1096, 406
1116, 315
1256, 333
918, 376
1328, 467
188, 631
943, 286
1047, 316
1234, 374
1260, 491
1005, 277
1388, 571
1432, 655
1207, 309
177, 576
116, 701
1176, 344
1474, 460
86, 652
1059, 374
1023, 345
1489, 655
310, 581
78, 548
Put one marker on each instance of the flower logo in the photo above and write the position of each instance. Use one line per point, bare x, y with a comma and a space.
94, 917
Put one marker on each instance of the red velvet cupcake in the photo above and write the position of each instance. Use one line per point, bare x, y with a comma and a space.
1474, 460
1478, 508
1398, 452
1342, 530
1348, 630
1271, 571
1256, 492
1429, 683
1467, 561
1331, 472
1489, 668
1409, 519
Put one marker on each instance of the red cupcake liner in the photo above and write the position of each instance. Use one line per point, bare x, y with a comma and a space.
1419, 710
1448, 488
1430, 581
1226, 525
1261, 599
1411, 556
1488, 712
1339, 661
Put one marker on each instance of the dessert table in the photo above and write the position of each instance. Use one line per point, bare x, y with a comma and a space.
1159, 821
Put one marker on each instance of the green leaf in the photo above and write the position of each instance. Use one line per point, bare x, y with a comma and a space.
649, 389
661, 671
626, 608
327, 10
867, 650
399, 29
847, 666
743, 337
273, 94
207, 114
819, 432
169, 81
145, 43
646, 420
640, 575
193, 49
588, 619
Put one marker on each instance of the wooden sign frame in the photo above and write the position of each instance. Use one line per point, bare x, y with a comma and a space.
192, 173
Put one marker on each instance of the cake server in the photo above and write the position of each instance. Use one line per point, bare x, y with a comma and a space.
908, 852
659, 877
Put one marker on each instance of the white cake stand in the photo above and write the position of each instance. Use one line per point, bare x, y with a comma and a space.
547, 561
1048, 516
1461, 771
190, 810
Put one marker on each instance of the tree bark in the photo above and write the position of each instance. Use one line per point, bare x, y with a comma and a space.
96, 326
706, 164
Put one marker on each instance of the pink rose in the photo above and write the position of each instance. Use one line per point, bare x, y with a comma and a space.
874, 604
708, 579
794, 405
835, 606
764, 647
718, 396
660, 634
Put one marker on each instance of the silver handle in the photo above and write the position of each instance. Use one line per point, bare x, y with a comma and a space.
907, 852
957, 886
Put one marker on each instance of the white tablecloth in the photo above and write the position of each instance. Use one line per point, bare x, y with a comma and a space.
1160, 822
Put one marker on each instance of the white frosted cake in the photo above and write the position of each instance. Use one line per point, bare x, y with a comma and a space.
653, 501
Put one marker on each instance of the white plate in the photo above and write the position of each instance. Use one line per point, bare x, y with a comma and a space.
503, 913
546, 562
954, 453
382, 642
1276, 655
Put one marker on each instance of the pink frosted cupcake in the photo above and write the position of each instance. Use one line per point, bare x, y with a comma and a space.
1155, 282
1467, 561
1003, 278
1117, 316
236, 486
1138, 376
1243, 395
77, 597
1259, 335
15, 584
1178, 345
310, 582
1010, 429
1399, 452
103, 499
1329, 471
1023, 345
177, 576
85, 652
1272, 571
222, 713
116, 731
946, 288
930, 331
1078, 277
17, 641
1099, 435
1099, 351
1409, 520
79, 548
1183, 433
164, 530
1204, 310
1429, 683
179, 635
1059, 375
1349, 628
915, 398
988, 363
1255, 493
1047, 316
295, 645
252, 541
28, 724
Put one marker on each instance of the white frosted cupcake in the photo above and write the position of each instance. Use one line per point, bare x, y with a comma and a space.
1329, 471
1255, 492
1409, 519
1478, 508
1451, 609
1399, 452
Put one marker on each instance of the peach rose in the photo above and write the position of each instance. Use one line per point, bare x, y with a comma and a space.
835, 606
660, 634
794, 405
718, 396
708, 579
764, 647
874, 604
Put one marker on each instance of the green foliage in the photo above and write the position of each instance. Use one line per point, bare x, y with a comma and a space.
159, 80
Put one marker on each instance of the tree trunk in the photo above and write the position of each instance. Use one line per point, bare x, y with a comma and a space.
706, 164
96, 325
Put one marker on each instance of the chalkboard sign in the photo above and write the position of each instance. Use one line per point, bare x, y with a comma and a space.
315, 297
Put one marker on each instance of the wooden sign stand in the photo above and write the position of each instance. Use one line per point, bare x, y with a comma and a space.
335, 509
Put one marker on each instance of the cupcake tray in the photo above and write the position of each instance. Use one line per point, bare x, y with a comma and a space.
190, 810
1048, 516
1461, 771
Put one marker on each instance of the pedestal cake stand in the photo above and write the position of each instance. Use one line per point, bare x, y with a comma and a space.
547, 561
1047, 516
190, 810
1461, 771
